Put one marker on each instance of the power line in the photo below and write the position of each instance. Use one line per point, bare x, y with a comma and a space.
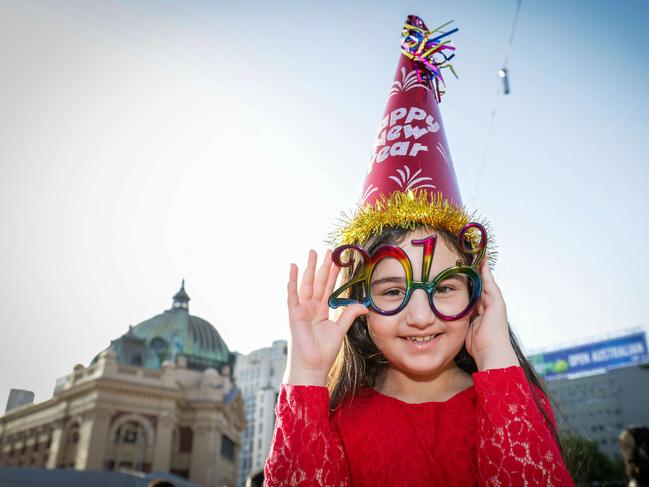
512, 33
503, 74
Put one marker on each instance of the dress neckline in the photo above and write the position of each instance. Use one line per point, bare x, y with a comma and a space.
469, 391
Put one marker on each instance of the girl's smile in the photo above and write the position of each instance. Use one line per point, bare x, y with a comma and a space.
422, 343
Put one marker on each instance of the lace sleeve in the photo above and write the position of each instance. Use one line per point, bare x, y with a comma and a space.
515, 445
305, 449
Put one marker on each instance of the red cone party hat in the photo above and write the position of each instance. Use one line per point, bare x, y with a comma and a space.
411, 180
410, 151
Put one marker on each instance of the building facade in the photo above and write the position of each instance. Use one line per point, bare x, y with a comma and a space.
259, 375
600, 406
159, 398
600, 388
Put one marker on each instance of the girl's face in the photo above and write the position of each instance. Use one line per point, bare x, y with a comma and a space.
415, 341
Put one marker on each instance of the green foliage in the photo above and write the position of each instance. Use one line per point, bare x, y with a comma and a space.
588, 465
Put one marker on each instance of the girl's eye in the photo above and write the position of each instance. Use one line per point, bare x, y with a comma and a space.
443, 289
394, 292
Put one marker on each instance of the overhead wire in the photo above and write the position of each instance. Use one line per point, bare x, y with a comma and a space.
492, 117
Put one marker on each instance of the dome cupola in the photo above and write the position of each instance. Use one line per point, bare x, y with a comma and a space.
181, 299
174, 334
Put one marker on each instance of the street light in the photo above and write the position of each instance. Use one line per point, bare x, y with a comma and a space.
503, 74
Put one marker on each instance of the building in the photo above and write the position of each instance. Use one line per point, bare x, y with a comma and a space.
19, 397
600, 388
259, 375
159, 398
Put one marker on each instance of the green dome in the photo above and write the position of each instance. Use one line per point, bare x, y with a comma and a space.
175, 333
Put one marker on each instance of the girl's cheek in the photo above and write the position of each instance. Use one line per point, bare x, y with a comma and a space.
462, 324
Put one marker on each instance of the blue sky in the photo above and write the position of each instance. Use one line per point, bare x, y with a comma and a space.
144, 142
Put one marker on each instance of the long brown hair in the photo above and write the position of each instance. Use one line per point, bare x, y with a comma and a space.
361, 364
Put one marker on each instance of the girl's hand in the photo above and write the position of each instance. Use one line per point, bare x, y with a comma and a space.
315, 339
487, 339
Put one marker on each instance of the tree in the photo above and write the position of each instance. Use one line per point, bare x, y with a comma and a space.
588, 465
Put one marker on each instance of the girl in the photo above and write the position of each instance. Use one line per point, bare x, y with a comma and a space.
417, 382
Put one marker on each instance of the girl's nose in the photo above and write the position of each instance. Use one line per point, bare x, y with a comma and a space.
418, 310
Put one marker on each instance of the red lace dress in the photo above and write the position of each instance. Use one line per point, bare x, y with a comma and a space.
489, 434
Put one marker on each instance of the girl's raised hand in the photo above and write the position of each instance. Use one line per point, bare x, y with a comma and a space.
315, 339
487, 339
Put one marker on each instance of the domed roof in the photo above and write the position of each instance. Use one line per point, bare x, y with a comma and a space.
175, 333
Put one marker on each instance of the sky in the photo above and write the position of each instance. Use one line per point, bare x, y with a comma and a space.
146, 142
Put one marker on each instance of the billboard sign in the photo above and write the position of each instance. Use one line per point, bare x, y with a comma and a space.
592, 357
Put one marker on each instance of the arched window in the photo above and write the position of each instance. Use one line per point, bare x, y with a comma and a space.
130, 432
130, 446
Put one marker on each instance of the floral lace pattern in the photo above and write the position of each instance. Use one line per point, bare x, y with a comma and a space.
491, 434
515, 447
305, 450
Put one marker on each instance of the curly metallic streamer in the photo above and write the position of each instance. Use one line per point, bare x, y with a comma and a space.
427, 50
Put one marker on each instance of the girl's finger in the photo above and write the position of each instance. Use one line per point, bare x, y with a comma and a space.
487, 275
486, 297
331, 282
306, 288
481, 307
291, 288
489, 285
470, 334
349, 314
322, 277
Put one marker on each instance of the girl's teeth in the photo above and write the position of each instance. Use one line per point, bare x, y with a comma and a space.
421, 339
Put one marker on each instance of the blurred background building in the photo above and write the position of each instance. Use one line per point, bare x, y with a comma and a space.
160, 398
601, 387
19, 397
259, 375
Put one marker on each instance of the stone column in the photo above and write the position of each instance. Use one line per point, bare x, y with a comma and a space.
163, 443
92, 441
55, 445
204, 458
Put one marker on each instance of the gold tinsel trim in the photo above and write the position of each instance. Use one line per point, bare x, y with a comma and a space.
408, 210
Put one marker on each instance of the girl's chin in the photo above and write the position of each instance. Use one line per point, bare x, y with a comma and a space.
420, 369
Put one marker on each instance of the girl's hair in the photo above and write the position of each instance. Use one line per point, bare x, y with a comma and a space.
361, 364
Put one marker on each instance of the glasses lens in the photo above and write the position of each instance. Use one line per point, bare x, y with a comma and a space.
388, 284
452, 294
